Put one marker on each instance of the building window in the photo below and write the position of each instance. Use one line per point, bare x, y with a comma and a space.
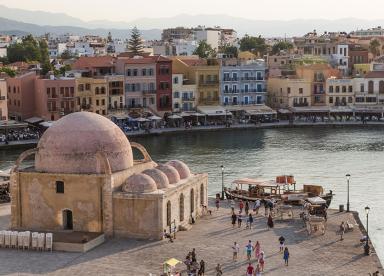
330, 89
350, 89
370, 87
343, 89
129, 73
181, 207
169, 214
144, 72
202, 200
134, 72
350, 99
289, 90
60, 187
175, 80
362, 87
300, 90
337, 89
176, 105
176, 95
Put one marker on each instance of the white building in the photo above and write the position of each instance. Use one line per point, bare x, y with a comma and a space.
184, 95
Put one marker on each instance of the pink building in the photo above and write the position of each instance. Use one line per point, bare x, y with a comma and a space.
3, 100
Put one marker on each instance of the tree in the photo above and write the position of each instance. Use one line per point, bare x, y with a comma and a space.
279, 46
8, 71
253, 44
374, 47
44, 57
229, 50
135, 43
66, 54
109, 39
204, 50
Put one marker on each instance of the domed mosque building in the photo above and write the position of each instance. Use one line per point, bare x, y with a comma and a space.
85, 179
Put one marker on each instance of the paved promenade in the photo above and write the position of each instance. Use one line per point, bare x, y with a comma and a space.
212, 237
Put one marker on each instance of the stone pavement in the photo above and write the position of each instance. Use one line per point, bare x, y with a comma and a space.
212, 237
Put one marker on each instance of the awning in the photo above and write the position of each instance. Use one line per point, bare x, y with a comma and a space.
120, 116
46, 124
284, 111
341, 110
191, 114
12, 124
172, 262
214, 110
312, 109
33, 120
316, 200
258, 182
154, 118
174, 116
141, 120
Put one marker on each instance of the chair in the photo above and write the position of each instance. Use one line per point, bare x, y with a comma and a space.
20, 237
35, 236
48, 241
7, 239
14, 235
2, 233
41, 241
26, 240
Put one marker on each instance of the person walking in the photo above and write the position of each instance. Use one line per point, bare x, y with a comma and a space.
262, 260
235, 250
248, 249
246, 209
239, 219
342, 230
201, 268
250, 220
257, 250
219, 271
286, 256
257, 270
193, 255
270, 222
256, 207
217, 203
281, 242
234, 218
250, 270
232, 204
241, 206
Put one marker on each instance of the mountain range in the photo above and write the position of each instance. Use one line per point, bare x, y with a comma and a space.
21, 21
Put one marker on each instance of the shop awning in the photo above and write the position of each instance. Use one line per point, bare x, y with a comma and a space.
260, 110
312, 109
33, 120
214, 110
191, 114
12, 124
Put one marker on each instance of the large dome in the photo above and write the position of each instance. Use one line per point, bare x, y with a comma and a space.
70, 145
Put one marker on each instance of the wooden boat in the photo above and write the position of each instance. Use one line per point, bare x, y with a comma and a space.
283, 188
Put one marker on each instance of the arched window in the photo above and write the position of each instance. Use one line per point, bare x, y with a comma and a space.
181, 207
97, 90
381, 87
202, 201
103, 90
67, 219
370, 87
169, 213
192, 199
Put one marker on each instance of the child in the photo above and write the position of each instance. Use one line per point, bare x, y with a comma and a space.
286, 256
281, 241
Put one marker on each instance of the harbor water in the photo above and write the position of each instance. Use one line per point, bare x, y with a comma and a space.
314, 155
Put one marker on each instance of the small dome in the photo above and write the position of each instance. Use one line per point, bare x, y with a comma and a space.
71, 145
181, 168
160, 178
139, 183
170, 172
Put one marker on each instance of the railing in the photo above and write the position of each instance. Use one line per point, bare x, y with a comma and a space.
242, 103
189, 99
149, 91
237, 91
205, 83
231, 79
2, 98
300, 104
252, 78
231, 91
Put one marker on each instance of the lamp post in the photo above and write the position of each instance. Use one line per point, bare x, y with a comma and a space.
348, 176
222, 182
366, 246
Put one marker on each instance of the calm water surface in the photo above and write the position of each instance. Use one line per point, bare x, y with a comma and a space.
313, 155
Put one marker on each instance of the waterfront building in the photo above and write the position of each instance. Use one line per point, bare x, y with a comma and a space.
203, 73
21, 96
289, 92
148, 82
242, 82
95, 66
84, 179
373, 32
369, 90
172, 34
92, 95
54, 98
184, 94
3, 101
116, 95
357, 55
340, 92
281, 64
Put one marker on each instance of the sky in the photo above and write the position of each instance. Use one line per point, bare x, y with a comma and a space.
127, 10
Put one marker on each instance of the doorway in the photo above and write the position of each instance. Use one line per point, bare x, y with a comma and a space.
67, 220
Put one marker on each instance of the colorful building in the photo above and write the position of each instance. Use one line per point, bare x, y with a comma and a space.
92, 95
184, 94
3, 100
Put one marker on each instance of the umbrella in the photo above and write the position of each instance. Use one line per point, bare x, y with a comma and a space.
154, 118
141, 120
174, 117
172, 262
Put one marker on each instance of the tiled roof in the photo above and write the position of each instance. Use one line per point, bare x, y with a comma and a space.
375, 75
91, 62
146, 60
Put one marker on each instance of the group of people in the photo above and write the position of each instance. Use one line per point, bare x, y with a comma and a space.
20, 134
193, 266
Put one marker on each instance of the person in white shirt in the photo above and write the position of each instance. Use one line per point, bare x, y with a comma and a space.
235, 250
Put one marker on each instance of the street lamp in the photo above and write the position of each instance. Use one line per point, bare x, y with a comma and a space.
366, 246
222, 182
348, 176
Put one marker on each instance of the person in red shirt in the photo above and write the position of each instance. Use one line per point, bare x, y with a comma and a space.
250, 270
241, 206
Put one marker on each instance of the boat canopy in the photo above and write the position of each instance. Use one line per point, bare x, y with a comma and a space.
316, 200
258, 182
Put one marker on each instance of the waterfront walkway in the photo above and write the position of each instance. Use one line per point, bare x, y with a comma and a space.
212, 237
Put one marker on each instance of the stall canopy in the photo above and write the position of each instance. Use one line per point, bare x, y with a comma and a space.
191, 114
33, 120
174, 116
260, 109
214, 110
172, 262
12, 124
311, 109
154, 118
141, 120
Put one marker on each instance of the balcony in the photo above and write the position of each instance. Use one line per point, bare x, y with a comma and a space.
149, 92
86, 106
232, 91
2, 98
253, 90
231, 79
189, 99
252, 79
300, 104
208, 83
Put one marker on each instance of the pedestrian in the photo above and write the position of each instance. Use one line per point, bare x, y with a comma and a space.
250, 219
342, 230
257, 270
281, 242
270, 222
265, 207
256, 207
262, 260
202, 268
217, 203
286, 256
235, 250
234, 218
241, 206
257, 250
246, 207
219, 271
232, 204
250, 269
193, 255
239, 219
248, 249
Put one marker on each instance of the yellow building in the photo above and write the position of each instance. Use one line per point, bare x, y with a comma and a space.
203, 73
289, 92
92, 95
362, 69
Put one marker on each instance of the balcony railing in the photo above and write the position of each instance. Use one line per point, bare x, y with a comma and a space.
149, 91
237, 91
252, 78
300, 104
189, 99
231, 79
242, 103
207, 83
2, 98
